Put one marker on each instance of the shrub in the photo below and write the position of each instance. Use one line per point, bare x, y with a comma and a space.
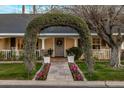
13, 55
76, 51
50, 52
21, 57
1, 56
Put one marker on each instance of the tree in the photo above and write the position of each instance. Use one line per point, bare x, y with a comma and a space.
104, 20
49, 9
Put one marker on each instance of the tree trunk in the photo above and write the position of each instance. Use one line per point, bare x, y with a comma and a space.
115, 60
29, 65
90, 65
89, 60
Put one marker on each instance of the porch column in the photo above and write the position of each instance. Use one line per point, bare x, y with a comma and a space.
43, 43
75, 42
53, 47
122, 45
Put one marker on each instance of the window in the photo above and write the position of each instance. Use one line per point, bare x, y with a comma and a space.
13, 43
96, 43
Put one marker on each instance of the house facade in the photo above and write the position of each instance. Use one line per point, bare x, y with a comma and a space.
58, 38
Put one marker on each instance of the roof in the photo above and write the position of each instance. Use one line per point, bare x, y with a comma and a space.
17, 23
59, 29
14, 23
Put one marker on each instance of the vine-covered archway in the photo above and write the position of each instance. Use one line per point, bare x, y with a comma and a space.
55, 19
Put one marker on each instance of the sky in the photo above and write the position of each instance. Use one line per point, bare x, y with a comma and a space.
6, 9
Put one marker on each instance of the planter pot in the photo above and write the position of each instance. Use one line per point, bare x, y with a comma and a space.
71, 59
46, 59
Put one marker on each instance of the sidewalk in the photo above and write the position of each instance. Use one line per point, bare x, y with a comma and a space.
59, 84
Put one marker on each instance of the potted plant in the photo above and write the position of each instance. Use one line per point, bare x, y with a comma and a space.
50, 52
46, 58
70, 56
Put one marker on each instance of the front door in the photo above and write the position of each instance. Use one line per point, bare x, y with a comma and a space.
59, 47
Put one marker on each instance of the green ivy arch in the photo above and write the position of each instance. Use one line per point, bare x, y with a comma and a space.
55, 19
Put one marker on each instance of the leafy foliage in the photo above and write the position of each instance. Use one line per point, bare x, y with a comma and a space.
54, 19
76, 51
1, 56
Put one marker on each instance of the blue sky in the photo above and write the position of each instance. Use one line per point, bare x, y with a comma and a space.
5, 9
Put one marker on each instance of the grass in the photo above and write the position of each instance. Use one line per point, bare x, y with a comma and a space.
15, 72
103, 72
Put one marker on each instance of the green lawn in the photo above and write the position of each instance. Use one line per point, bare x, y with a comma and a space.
102, 72
15, 72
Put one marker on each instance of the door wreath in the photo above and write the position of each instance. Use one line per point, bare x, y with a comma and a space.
59, 43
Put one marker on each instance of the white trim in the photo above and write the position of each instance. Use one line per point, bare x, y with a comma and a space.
49, 34
11, 34
43, 34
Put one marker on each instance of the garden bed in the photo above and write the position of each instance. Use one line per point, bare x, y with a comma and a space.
77, 76
43, 72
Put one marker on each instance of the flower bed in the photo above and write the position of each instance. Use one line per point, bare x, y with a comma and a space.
75, 72
42, 75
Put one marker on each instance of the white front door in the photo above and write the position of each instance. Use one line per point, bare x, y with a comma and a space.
59, 47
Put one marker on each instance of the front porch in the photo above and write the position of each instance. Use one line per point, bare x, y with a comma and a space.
12, 48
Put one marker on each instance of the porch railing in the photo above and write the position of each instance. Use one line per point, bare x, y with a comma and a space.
14, 54
101, 53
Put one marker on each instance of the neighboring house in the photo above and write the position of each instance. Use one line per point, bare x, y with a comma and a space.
58, 38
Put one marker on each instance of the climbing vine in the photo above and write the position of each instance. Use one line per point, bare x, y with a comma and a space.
55, 19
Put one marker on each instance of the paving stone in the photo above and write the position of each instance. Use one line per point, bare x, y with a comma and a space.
59, 71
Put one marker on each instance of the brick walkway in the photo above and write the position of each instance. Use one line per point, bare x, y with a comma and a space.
59, 71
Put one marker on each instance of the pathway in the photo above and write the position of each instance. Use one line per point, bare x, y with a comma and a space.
59, 71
